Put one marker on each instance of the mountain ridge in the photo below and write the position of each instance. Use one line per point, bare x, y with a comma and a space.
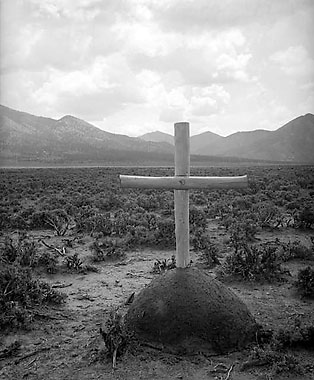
291, 142
28, 137
24, 136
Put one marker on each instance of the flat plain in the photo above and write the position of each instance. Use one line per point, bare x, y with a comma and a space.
78, 231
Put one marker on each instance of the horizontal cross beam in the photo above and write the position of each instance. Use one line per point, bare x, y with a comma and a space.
183, 182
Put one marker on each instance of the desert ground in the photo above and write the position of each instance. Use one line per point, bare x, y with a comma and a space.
63, 341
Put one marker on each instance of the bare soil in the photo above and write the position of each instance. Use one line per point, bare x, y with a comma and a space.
191, 311
65, 343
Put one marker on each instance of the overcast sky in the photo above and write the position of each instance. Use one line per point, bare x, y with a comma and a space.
136, 66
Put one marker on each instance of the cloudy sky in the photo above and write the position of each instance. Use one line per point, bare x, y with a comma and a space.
135, 66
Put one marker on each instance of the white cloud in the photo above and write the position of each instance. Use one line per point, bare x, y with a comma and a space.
295, 62
207, 100
77, 10
94, 92
234, 66
200, 60
193, 16
144, 38
134, 66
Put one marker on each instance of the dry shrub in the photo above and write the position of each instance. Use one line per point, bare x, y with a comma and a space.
305, 282
253, 263
20, 293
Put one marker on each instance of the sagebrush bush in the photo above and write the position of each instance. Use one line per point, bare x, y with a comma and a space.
199, 240
241, 234
210, 256
20, 293
209, 251
161, 266
306, 217
295, 250
95, 222
49, 261
197, 219
73, 262
139, 236
296, 336
305, 282
274, 348
253, 263
280, 362
21, 251
115, 336
165, 233
107, 249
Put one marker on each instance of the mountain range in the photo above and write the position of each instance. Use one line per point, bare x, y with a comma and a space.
293, 142
25, 137
28, 138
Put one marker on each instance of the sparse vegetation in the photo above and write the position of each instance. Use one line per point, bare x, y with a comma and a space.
61, 223
253, 263
20, 292
277, 361
115, 336
275, 353
207, 249
107, 249
161, 266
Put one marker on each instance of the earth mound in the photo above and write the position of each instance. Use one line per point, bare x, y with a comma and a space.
186, 310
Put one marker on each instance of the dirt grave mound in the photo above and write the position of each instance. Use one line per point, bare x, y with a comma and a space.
187, 310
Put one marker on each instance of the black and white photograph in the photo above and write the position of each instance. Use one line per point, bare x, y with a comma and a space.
156, 189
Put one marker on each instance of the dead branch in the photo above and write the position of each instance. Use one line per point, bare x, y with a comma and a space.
229, 372
59, 251
52, 224
59, 228
61, 285
65, 228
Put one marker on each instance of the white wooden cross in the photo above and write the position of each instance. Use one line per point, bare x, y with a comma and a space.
181, 183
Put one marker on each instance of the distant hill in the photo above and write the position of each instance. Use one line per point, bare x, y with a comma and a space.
293, 142
198, 143
25, 137
158, 136
28, 138
202, 143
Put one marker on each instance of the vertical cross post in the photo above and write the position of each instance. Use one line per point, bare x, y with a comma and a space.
181, 183
181, 197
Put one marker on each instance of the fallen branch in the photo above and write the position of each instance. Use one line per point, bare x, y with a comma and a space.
59, 251
229, 372
61, 285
